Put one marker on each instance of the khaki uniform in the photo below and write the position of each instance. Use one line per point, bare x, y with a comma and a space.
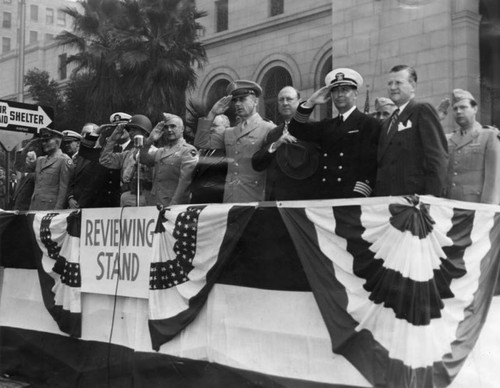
243, 183
474, 167
173, 172
52, 176
126, 161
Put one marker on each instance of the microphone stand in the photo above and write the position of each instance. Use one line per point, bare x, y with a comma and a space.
139, 143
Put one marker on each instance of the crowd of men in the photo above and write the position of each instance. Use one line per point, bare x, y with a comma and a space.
401, 149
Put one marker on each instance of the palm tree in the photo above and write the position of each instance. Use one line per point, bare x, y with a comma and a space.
140, 52
96, 57
159, 49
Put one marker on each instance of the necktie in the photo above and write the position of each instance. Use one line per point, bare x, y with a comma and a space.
394, 120
341, 119
285, 127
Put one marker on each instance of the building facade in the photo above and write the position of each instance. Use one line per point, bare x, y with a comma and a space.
451, 43
277, 42
44, 19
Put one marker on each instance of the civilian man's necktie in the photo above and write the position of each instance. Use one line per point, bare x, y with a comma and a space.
393, 125
341, 119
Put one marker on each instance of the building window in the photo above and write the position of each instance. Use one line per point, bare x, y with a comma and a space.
7, 1
33, 36
275, 80
277, 7
49, 16
5, 45
7, 20
62, 66
325, 110
61, 18
34, 13
49, 36
221, 14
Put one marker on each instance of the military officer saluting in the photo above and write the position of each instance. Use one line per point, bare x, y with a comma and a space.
243, 183
474, 164
348, 142
52, 173
174, 163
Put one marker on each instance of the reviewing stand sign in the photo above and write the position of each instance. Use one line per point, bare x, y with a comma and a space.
116, 250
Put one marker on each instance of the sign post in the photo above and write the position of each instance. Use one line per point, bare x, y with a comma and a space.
19, 121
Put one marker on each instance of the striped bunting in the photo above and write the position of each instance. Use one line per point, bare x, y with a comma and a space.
58, 237
404, 289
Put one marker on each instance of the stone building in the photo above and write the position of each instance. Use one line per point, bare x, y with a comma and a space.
44, 20
451, 43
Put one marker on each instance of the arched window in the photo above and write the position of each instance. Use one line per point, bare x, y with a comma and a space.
325, 110
275, 80
215, 93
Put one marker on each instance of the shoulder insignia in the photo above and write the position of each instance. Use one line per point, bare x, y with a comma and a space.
69, 162
193, 152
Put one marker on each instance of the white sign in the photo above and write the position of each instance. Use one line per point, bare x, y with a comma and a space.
116, 249
18, 117
21, 121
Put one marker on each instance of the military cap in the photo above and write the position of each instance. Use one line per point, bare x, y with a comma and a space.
298, 160
344, 77
69, 135
380, 102
460, 94
48, 133
119, 117
242, 88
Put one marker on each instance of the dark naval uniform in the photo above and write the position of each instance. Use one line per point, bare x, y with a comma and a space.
52, 176
348, 161
173, 171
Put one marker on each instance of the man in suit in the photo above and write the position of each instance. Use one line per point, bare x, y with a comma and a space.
348, 142
412, 151
210, 173
243, 183
92, 184
474, 167
280, 186
173, 163
52, 173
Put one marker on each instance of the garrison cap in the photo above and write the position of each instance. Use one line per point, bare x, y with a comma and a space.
242, 88
460, 94
344, 77
48, 133
380, 102
119, 117
69, 135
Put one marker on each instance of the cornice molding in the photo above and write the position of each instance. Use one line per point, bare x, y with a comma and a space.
273, 23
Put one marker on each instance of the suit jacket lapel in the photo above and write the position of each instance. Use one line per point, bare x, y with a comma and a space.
385, 136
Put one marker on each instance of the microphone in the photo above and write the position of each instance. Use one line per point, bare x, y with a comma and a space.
138, 141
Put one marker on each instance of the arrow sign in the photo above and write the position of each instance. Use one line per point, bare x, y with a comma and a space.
26, 118
21, 121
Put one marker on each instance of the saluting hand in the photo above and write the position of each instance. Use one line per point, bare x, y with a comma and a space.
157, 131
320, 96
221, 106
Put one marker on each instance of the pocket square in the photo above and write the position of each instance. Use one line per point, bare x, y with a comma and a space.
354, 131
402, 127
